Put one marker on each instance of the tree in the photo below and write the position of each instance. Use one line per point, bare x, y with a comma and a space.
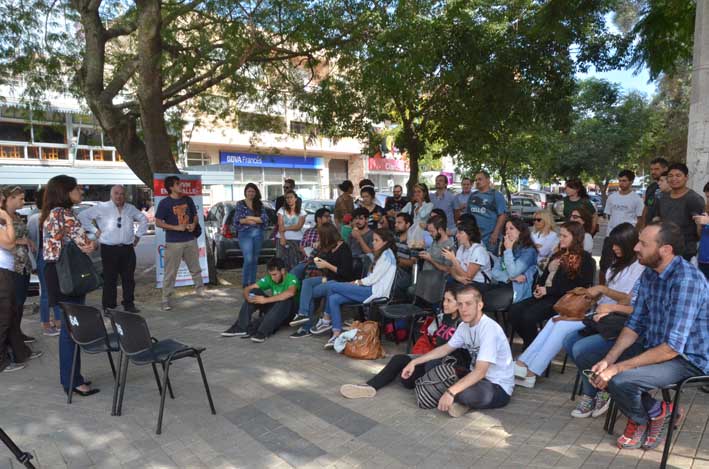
605, 136
134, 63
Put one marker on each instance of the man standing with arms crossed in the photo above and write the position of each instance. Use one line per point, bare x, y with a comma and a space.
177, 215
657, 167
112, 223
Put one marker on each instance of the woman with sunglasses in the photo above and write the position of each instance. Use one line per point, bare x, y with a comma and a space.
583, 216
544, 236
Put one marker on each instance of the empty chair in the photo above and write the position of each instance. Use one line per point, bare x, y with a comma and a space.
87, 329
497, 301
430, 287
140, 348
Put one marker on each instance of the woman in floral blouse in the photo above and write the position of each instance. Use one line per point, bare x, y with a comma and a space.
250, 220
59, 226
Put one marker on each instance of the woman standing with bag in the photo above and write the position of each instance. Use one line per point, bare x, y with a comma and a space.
60, 226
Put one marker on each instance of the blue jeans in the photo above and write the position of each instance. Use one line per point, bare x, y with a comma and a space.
339, 293
631, 389
311, 289
43, 297
250, 242
299, 270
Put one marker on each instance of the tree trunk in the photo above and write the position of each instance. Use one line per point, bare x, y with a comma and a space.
698, 137
413, 147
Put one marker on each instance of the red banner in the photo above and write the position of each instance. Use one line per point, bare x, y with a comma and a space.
381, 164
188, 187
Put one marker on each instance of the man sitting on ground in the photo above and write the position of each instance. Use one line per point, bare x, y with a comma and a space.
671, 317
490, 382
276, 309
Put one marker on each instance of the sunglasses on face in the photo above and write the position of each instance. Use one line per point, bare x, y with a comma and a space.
538, 219
577, 217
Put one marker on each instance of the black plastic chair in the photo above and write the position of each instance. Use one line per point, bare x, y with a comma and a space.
368, 310
139, 347
86, 328
430, 287
496, 302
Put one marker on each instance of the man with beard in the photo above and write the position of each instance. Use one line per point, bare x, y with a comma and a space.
657, 167
665, 340
393, 205
405, 258
433, 256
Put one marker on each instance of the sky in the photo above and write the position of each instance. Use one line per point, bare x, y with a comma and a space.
626, 78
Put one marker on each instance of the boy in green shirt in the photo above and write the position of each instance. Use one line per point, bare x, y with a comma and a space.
276, 308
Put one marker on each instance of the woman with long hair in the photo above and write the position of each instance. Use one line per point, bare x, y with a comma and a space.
518, 264
623, 274
586, 347
291, 219
378, 284
250, 220
471, 263
334, 264
584, 217
60, 226
577, 197
544, 235
439, 332
24, 250
568, 268
368, 201
420, 205
345, 202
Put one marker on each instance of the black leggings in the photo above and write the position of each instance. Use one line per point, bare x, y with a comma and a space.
393, 369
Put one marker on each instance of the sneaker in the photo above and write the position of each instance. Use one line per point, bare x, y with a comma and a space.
301, 332
357, 391
633, 436
321, 327
520, 371
348, 323
527, 382
330, 344
234, 331
657, 428
28, 340
298, 320
166, 306
34, 355
584, 407
13, 367
258, 337
458, 410
50, 332
603, 402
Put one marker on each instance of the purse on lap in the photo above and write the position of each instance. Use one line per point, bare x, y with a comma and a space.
572, 306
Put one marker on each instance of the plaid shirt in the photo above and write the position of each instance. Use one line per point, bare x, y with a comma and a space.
309, 237
673, 308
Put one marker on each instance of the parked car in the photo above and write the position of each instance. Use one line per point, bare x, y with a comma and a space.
312, 206
543, 199
524, 208
597, 203
223, 241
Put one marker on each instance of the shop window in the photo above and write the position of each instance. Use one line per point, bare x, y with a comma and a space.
273, 174
15, 132
252, 175
198, 159
49, 134
303, 128
310, 175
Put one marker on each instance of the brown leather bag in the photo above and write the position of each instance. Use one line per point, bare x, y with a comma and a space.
366, 344
573, 306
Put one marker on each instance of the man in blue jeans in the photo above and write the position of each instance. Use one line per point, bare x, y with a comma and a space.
671, 317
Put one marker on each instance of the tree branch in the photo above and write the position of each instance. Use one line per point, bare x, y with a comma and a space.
189, 80
120, 78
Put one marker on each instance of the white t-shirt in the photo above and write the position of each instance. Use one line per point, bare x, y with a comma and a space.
475, 254
624, 281
547, 243
623, 209
486, 341
290, 220
588, 243
7, 257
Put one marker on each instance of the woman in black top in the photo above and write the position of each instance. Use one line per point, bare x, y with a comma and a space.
449, 322
334, 264
568, 268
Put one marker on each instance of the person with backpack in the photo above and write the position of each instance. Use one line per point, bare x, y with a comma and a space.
489, 208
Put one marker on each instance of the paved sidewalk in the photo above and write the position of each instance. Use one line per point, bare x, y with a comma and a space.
278, 406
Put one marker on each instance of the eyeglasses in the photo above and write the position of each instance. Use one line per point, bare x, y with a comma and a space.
119, 221
538, 219
575, 217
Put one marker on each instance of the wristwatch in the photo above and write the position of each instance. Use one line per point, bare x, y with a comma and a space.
448, 391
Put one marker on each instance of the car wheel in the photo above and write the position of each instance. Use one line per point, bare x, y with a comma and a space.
218, 261
211, 267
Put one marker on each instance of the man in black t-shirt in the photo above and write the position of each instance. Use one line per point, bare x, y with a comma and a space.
657, 167
393, 205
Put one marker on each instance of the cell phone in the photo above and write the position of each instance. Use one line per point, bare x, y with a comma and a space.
590, 374
251, 295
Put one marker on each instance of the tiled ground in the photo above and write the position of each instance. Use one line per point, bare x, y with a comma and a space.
278, 406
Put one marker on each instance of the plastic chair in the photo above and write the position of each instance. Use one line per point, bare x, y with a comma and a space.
430, 287
497, 301
365, 309
139, 347
86, 328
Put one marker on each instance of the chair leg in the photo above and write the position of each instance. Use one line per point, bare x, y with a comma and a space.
396, 336
611, 409
614, 417
577, 381
410, 338
121, 391
158, 430
206, 385
74, 356
169, 385
670, 428
113, 367
116, 384
563, 366
157, 378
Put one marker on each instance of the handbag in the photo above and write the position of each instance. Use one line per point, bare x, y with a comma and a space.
432, 385
572, 306
366, 344
76, 271
608, 327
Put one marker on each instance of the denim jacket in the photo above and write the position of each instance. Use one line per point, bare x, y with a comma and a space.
517, 262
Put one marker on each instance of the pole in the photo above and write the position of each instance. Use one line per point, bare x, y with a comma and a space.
21, 456
698, 138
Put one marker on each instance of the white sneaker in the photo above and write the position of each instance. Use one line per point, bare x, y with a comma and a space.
357, 391
458, 410
520, 371
321, 327
330, 344
527, 382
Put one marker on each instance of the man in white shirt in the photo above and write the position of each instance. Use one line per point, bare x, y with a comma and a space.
490, 382
624, 206
112, 223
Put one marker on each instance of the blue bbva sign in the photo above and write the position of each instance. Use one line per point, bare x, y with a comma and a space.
269, 161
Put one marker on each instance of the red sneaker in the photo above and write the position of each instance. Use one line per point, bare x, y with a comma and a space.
633, 436
657, 429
